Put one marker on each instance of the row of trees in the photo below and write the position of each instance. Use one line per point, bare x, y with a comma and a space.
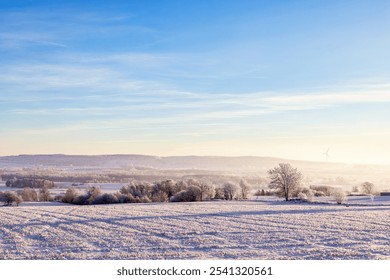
285, 181
164, 191
27, 194
29, 183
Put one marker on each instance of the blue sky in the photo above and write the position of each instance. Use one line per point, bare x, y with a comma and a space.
268, 78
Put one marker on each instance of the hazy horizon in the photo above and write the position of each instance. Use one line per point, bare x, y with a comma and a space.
286, 79
189, 155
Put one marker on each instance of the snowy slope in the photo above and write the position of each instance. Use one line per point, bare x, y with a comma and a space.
263, 229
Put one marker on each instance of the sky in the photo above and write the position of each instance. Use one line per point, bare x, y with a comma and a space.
289, 79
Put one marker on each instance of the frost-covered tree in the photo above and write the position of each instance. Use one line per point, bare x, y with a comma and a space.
231, 191
206, 190
285, 179
219, 193
244, 188
368, 188
137, 189
166, 187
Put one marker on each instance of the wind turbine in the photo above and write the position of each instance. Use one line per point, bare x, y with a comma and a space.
326, 154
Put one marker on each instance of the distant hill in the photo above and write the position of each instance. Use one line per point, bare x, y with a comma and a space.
228, 165
174, 162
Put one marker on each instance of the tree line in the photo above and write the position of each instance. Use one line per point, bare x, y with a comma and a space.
164, 191
284, 181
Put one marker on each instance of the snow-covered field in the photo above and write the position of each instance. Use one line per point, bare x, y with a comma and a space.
257, 229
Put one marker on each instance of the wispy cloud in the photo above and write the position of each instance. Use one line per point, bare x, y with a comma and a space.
330, 99
22, 39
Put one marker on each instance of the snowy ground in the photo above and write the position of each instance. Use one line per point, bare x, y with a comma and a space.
258, 229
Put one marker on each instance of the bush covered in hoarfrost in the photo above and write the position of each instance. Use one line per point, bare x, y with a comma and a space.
28, 194
304, 194
340, 196
9, 198
192, 193
322, 190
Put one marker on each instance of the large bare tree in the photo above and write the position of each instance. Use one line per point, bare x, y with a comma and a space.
285, 179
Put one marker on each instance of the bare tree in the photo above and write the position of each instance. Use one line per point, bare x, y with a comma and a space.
285, 179
368, 188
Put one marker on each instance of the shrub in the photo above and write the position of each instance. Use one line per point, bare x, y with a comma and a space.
339, 196
159, 196
325, 190
319, 193
192, 193
305, 194
145, 199
44, 195
106, 198
81, 200
302, 196
125, 198
10, 198
88, 198
29, 194
70, 195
